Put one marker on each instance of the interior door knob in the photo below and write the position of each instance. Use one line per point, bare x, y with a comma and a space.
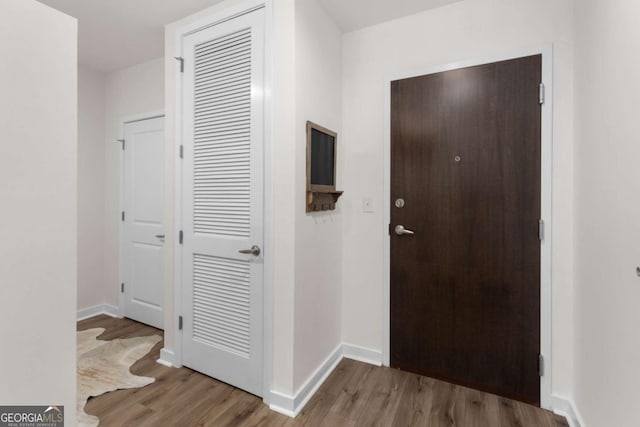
400, 230
255, 251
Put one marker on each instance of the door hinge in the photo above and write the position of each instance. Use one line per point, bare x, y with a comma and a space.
541, 230
182, 151
180, 237
181, 61
179, 323
122, 287
389, 230
121, 141
541, 365
122, 216
542, 94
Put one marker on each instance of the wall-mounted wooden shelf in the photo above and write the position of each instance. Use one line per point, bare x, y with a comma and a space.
322, 152
322, 200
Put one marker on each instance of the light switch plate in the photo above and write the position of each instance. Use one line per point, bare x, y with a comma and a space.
367, 205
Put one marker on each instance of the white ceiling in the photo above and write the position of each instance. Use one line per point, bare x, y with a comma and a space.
115, 34
356, 14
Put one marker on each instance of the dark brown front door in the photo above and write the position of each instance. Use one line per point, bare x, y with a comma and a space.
465, 287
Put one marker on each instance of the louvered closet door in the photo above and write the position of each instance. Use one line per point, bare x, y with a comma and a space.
223, 137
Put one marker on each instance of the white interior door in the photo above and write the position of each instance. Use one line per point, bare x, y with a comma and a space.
143, 221
223, 136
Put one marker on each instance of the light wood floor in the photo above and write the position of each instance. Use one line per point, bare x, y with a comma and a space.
356, 394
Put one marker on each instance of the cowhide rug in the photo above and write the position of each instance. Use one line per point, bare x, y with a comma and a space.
103, 366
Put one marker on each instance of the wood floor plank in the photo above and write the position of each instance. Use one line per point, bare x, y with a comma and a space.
443, 401
355, 394
265, 417
510, 416
322, 404
416, 398
349, 402
322, 409
382, 397
476, 404
130, 415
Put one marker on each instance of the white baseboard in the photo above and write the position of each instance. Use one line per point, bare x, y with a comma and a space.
567, 408
283, 404
362, 354
167, 358
108, 309
314, 382
291, 405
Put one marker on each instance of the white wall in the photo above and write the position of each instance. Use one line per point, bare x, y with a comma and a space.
318, 284
129, 92
279, 346
607, 211
38, 190
472, 29
91, 187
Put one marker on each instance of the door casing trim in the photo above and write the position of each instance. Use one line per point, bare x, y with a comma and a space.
546, 145
123, 122
225, 14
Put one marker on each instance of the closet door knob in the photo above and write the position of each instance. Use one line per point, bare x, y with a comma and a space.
255, 251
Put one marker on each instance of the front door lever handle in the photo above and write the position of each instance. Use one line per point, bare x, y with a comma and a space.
401, 231
255, 251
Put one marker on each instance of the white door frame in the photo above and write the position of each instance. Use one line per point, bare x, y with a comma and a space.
546, 202
121, 237
241, 8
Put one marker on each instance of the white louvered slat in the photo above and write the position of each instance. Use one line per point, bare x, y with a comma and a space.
222, 135
221, 303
